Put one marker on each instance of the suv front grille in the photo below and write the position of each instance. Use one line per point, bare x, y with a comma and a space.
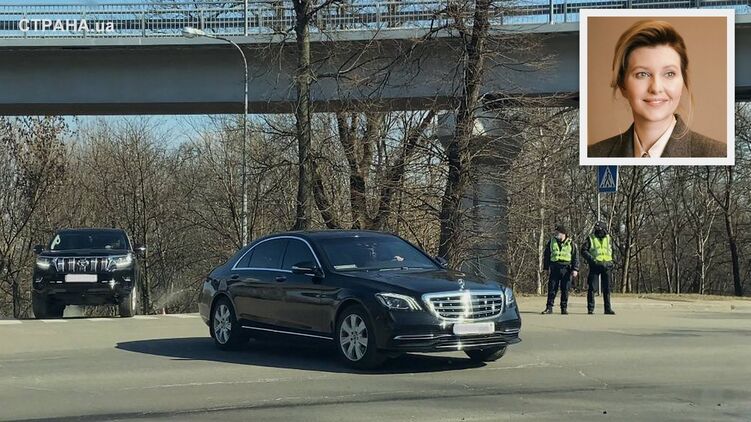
81, 265
465, 305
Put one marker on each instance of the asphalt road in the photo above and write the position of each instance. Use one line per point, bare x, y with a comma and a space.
646, 363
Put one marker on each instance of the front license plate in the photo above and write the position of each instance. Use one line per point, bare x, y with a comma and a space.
80, 278
463, 329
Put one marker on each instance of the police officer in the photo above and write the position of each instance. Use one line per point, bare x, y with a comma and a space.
561, 259
598, 251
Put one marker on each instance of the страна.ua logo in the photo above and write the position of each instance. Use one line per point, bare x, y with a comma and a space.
72, 25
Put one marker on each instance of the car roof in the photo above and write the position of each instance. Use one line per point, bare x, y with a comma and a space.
90, 229
330, 234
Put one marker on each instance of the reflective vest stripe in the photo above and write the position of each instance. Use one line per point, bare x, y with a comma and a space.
600, 249
558, 253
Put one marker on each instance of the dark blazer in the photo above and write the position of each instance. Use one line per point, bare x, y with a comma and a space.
691, 144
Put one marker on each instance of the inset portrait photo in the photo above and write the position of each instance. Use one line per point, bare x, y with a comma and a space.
657, 87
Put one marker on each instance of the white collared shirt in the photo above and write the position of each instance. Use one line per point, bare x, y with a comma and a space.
658, 147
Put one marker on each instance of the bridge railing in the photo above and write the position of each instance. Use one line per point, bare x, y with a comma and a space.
239, 17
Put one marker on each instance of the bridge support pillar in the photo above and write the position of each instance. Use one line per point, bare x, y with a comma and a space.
485, 203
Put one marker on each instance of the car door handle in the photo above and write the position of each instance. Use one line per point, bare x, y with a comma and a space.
280, 278
235, 276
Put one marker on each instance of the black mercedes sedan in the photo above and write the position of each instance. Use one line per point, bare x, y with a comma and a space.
372, 295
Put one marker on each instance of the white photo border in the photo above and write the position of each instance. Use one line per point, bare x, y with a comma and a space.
728, 160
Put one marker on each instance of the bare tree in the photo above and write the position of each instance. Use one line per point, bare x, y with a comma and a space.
701, 211
727, 203
33, 156
458, 152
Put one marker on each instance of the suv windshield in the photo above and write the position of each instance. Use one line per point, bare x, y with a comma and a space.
89, 240
373, 253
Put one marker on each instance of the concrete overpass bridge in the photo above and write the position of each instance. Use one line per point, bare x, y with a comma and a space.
131, 58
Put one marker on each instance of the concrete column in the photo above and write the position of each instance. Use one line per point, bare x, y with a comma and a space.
485, 202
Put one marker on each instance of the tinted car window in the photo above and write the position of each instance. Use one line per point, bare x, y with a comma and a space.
297, 252
373, 253
268, 254
89, 240
244, 262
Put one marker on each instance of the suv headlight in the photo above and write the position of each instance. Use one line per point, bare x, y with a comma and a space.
397, 301
509, 294
120, 262
44, 263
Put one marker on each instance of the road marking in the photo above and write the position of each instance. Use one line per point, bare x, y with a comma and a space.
101, 319
523, 366
38, 389
211, 383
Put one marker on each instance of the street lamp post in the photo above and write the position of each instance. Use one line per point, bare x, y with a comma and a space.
190, 32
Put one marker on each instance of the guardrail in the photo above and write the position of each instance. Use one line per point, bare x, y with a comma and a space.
239, 17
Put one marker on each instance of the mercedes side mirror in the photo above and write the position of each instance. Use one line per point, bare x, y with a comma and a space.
140, 248
442, 261
38, 249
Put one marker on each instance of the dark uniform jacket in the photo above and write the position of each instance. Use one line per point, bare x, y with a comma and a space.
574, 256
690, 144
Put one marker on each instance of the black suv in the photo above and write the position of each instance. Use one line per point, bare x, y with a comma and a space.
85, 267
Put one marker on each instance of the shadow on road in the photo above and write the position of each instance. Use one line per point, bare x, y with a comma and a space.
276, 354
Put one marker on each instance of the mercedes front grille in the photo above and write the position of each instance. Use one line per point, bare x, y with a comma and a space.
465, 305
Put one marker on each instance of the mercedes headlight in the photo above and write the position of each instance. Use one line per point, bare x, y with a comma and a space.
44, 263
121, 262
509, 294
397, 301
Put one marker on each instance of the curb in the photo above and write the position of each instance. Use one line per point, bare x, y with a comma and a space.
729, 306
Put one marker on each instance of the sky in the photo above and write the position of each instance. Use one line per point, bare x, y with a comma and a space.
176, 126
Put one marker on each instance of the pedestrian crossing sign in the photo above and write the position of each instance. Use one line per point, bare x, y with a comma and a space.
607, 179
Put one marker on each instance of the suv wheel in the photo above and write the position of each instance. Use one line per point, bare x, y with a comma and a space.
44, 308
490, 354
39, 306
355, 339
225, 330
128, 304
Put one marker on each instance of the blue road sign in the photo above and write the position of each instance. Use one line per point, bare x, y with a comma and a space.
607, 179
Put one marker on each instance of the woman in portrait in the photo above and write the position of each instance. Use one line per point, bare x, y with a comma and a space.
650, 68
